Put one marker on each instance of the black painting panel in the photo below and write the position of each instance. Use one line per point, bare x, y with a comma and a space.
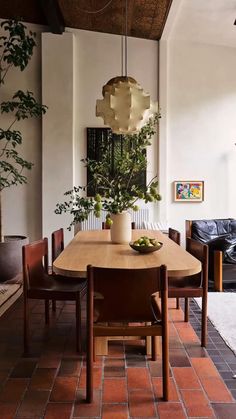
100, 139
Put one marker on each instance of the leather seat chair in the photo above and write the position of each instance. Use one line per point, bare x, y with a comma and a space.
38, 284
194, 285
57, 247
175, 236
220, 236
115, 306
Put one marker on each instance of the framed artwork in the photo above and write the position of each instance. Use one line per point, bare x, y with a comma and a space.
99, 139
188, 191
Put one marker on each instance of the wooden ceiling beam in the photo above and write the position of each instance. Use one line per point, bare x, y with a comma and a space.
53, 14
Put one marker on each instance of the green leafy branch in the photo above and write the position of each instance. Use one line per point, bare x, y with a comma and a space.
17, 47
22, 106
116, 189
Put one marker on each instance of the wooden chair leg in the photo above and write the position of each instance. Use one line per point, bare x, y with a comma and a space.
177, 303
78, 325
47, 311
204, 321
165, 366
154, 348
54, 305
94, 351
26, 327
89, 365
186, 309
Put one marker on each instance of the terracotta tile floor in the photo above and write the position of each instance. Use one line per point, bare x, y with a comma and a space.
50, 384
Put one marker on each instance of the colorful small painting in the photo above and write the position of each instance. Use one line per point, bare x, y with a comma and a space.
188, 191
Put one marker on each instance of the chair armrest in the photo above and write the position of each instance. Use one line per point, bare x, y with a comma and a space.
218, 270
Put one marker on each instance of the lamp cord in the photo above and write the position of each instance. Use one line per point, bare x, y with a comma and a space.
96, 11
126, 30
124, 54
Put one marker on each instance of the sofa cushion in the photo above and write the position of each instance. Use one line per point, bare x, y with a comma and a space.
9, 294
18, 279
206, 230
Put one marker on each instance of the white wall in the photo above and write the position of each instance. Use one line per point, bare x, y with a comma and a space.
97, 58
201, 104
22, 204
58, 127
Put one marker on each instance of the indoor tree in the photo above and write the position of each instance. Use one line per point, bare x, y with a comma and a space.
16, 49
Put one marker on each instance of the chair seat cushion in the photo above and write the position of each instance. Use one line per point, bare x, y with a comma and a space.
205, 230
192, 281
225, 243
57, 284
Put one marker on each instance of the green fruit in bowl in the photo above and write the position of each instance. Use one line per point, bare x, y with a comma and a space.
154, 242
146, 241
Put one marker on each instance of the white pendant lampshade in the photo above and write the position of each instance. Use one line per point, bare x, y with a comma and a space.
125, 107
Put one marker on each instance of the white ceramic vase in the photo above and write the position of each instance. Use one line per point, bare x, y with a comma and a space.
121, 228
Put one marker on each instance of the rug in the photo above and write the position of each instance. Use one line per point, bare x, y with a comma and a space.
221, 312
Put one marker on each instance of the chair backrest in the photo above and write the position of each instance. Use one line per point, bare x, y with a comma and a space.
125, 295
107, 227
174, 235
200, 251
57, 243
35, 262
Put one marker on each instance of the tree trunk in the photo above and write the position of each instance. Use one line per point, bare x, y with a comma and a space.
1, 229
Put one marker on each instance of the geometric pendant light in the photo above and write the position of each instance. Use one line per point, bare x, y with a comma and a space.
125, 107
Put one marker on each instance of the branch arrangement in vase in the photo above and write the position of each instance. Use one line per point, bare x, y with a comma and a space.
115, 191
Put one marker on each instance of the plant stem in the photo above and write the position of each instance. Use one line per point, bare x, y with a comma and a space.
1, 229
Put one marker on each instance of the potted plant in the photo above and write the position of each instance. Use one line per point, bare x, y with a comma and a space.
115, 192
16, 50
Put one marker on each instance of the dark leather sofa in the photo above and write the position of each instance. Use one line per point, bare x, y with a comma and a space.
220, 236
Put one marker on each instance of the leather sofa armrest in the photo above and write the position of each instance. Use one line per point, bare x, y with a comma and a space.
218, 270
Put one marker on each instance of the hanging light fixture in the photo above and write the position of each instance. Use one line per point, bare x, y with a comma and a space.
125, 107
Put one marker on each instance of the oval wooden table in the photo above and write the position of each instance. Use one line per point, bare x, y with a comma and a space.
94, 247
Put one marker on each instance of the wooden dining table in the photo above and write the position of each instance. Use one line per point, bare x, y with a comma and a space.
94, 247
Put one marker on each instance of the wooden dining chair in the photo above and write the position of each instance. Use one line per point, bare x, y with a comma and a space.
107, 227
194, 285
57, 247
117, 300
175, 236
38, 284
57, 240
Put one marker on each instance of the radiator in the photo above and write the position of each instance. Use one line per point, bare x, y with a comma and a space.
93, 223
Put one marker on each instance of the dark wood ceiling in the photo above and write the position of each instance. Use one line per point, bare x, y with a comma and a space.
146, 18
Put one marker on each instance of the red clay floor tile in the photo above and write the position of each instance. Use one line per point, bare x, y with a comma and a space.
115, 411
157, 386
138, 378
168, 410
141, 403
115, 390
50, 383
64, 389
33, 405
216, 389
58, 411
196, 404
186, 378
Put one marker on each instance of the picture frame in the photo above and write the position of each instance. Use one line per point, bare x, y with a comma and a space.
188, 190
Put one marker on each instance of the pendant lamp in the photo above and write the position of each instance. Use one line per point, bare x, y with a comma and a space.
125, 107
